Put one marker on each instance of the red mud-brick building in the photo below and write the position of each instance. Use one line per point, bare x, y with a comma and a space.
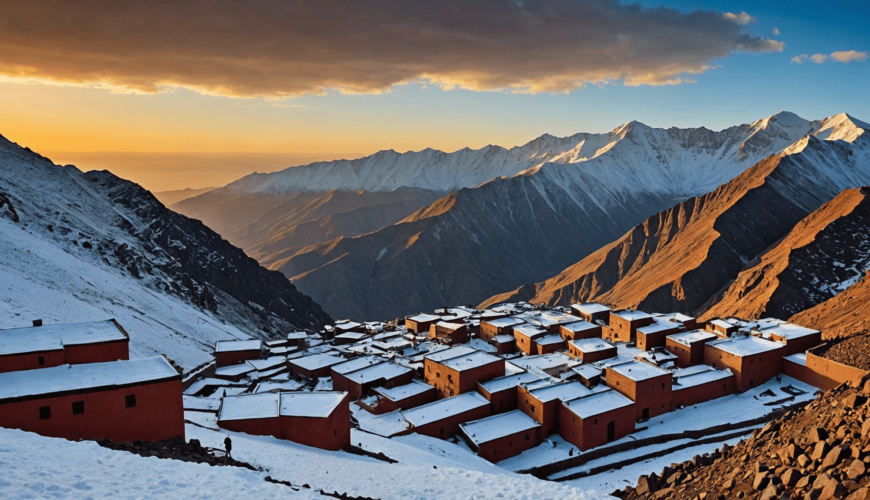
526, 335
548, 344
360, 381
796, 338
503, 436
420, 323
752, 360
441, 419
449, 333
698, 384
591, 350
552, 320
318, 419
654, 334
403, 397
580, 330
541, 401
234, 373
647, 385
504, 344
118, 400
491, 328
296, 339
688, 347
315, 365
233, 352
502, 391
45, 346
457, 370
624, 324
596, 419
592, 312
722, 328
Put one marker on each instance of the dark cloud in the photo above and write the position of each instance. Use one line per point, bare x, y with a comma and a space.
280, 49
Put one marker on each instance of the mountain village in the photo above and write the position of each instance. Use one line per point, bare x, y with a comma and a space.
537, 390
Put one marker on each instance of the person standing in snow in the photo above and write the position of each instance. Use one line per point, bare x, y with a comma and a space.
228, 444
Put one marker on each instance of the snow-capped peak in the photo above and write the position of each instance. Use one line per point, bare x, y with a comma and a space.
839, 127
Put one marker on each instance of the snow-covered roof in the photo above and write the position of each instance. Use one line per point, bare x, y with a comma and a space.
530, 331
631, 315
639, 371
200, 404
721, 323
692, 336
695, 378
403, 392
385, 371
352, 336
297, 336
563, 391
233, 370
550, 318
356, 364
597, 403
347, 325
470, 361
504, 339
393, 344
497, 426
658, 326
444, 408
449, 326
587, 371
423, 318
283, 385
319, 404
250, 406
546, 363
591, 308
268, 363
283, 350
745, 346
551, 339
504, 322
316, 361
799, 358
580, 326
452, 352
509, 381
54, 337
85, 376
790, 331
237, 345
591, 345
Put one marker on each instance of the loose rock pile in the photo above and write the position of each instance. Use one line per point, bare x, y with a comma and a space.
821, 452
175, 449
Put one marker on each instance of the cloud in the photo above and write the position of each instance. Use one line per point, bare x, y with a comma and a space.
799, 59
288, 105
774, 31
742, 18
279, 49
847, 56
818, 58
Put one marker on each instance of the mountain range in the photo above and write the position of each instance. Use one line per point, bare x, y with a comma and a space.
456, 228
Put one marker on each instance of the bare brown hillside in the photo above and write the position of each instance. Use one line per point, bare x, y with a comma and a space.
844, 315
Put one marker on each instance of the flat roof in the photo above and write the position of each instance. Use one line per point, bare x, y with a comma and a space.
347, 325
598, 403
587, 371
563, 391
497, 426
234, 370
319, 404
699, 377
530, 331
237, 345
297, 336
692, 336
315, 361
504, 322
509, 381
472, 360
745, 346
284, 385
722, 323
450, 326
267, 364
402, 392
352, 335
799, 358
200, 404
550, 339
591, 308
66, 378
550, 318
385, 371
638, 370
580, 326
658, 326
54, 337
250, 406
591, 345
790, 331
452, 352
356, 364
444, 408
504, 339
423, 318
631, 315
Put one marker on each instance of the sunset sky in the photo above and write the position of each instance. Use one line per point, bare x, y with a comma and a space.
155, 90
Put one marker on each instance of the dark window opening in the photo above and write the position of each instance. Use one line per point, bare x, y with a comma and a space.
41, 360
44, 412
595, 421
644, 414
78, 407
527, 437
611, 431
442, 431
130, 400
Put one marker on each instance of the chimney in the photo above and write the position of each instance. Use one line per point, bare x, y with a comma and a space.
37, 322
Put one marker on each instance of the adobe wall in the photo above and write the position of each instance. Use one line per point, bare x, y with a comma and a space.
549, 348
833, 370
567, 334
801, 344
525, 344
158, 414
30, 361
591, 357
386, 405
807, 376
235, 357
448, 427
700, 393
255, 427
506, 348
687, 355
588, 433
645, 342
546, 414
500, 401
342, 383
418, 327
468, 379
749, 371
510, 446
654, 394
330, 433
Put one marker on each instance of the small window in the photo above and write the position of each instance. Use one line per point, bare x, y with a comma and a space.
438, 375
44, 412
595, 421
442, 431
527, 437
130, 400
663, 385
533, 409
41, 360
78, 407
334, 432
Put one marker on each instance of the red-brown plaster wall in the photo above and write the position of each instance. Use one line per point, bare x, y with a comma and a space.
654, 393
234, 357
30, 361
588, 433
510, 446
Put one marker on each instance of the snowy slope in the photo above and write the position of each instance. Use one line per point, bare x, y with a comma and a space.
86, 246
